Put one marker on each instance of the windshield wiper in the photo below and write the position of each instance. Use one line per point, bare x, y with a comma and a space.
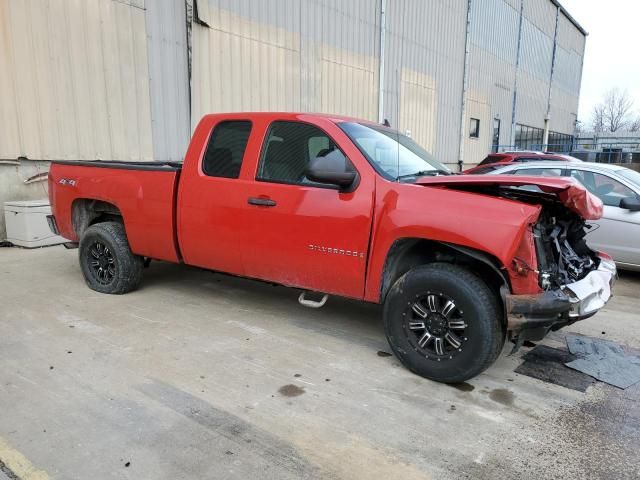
424, 173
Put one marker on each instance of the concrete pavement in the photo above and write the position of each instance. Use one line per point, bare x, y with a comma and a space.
200, 375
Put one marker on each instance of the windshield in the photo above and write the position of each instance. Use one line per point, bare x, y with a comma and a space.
630, 175
393, 155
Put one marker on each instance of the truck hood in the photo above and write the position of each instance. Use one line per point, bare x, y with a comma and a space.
567, 190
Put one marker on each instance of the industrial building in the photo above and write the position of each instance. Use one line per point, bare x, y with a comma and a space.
129, 79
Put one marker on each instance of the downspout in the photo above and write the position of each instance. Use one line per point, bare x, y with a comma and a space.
515, 80
465, 87
189, 7
545, 133
547, 117
383, 28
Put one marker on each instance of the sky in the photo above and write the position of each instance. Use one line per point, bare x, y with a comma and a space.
612, 53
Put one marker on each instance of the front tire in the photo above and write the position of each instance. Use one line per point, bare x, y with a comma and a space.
106, 260
443, 323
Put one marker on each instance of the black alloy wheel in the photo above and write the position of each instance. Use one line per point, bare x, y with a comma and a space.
101, 263
435, 326
444, 322
107, 262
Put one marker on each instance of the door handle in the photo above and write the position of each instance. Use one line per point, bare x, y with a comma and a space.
262, 202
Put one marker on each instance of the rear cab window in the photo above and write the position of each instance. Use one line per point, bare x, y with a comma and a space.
485, 169
225, 149
493, 159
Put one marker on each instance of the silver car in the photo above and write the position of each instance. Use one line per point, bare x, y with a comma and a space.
618, 231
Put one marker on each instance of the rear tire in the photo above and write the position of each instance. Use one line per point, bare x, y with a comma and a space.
443, 323
106, 260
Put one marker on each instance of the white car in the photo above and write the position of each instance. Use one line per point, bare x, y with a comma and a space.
618, 231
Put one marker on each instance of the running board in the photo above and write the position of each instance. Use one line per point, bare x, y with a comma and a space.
312, 303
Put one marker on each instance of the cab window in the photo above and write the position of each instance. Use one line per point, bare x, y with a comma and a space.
225, 150
290, 147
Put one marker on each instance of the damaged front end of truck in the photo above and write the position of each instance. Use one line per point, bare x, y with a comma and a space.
564, 280
575, 281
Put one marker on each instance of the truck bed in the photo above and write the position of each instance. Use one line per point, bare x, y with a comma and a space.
143, 192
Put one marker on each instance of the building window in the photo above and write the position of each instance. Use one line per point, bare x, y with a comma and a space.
226, 149
529, 138
474, 128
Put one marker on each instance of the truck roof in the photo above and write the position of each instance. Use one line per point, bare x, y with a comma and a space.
289, 115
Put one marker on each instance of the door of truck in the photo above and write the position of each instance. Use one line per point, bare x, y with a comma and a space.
212, 201
306, 234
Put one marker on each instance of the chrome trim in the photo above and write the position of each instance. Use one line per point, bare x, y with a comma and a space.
335, 251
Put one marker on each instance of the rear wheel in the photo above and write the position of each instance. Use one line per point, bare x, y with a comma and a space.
106, 260
443, 323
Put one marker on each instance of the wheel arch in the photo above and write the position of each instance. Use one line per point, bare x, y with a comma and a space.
86, 212
407, 253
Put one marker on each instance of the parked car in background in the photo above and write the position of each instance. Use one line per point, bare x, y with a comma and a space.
618, 231
493, 161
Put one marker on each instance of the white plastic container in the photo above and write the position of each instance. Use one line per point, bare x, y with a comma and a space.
27, 224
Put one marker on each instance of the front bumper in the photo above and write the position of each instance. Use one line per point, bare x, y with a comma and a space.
530, 317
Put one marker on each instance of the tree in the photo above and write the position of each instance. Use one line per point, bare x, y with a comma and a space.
616, 108
597, 118
634, 126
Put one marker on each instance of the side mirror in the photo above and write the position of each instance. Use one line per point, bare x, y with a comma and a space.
331, 169
632, 204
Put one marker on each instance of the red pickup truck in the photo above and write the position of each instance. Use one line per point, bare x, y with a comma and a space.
341, 206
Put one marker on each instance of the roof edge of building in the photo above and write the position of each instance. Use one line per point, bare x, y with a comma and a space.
570, 18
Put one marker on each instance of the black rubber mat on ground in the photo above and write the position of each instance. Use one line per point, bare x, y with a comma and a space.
548, 364
604, 360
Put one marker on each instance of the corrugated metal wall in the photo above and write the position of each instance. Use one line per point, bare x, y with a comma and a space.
565, 89
285, 55
166, 25
424, 71
536, 54
323, 56
75, 80
505, 79
492, 59
110, 78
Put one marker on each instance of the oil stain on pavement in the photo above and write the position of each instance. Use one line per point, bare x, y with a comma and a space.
290, 390
502, 395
